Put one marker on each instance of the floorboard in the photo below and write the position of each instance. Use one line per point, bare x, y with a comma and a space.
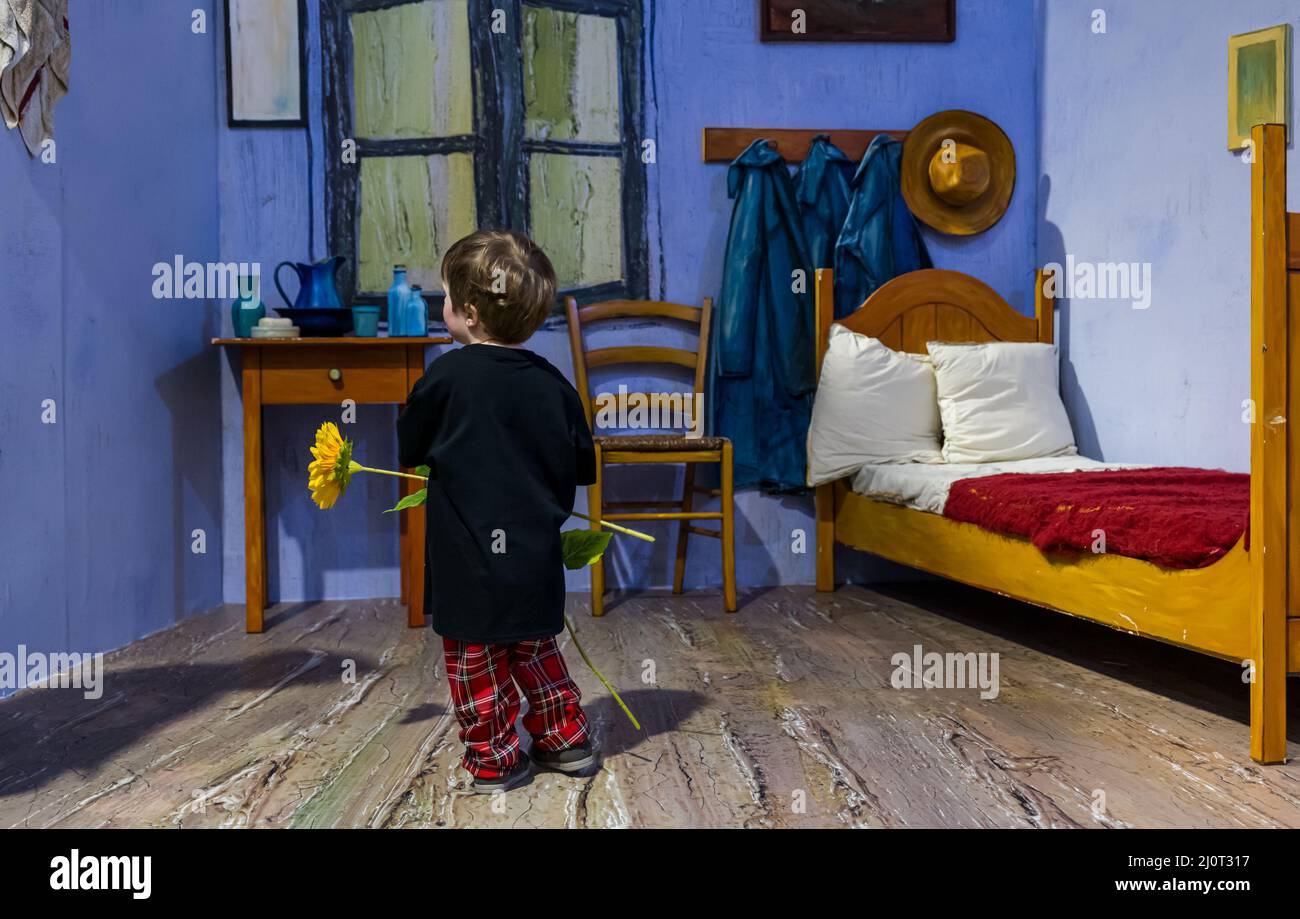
782, 715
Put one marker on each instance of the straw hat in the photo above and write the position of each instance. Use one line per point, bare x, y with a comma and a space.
957, 172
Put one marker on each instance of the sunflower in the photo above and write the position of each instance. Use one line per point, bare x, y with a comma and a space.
328, 474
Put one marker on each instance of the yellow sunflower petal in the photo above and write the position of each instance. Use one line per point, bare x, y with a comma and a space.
331, 470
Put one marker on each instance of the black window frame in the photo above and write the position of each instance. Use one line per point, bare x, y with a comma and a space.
501, 155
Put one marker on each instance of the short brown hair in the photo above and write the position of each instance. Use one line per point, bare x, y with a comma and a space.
506, 277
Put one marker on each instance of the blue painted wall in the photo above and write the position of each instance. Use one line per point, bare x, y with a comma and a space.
1135, 168
1121, 155
705, 67
1121, 158
98, 508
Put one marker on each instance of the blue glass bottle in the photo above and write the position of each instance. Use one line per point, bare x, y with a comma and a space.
416, 318
398, 294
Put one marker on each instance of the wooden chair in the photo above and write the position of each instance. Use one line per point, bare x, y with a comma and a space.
656, 448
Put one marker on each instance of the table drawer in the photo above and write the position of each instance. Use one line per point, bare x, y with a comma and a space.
305, 375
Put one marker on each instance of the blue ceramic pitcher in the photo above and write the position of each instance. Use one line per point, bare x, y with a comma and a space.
317, 289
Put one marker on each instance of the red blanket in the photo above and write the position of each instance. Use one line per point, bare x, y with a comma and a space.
1172, 516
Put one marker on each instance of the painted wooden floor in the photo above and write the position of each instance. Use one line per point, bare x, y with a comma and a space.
779, 716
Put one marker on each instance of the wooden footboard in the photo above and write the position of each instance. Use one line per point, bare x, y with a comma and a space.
1204, 609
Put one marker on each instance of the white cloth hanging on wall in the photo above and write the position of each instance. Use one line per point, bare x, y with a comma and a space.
35, 54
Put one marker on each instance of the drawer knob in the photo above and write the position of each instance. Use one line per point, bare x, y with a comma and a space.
336, 374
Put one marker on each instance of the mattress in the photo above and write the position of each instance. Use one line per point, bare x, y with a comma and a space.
924, 486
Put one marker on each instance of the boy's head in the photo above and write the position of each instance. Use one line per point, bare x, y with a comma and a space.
500, 286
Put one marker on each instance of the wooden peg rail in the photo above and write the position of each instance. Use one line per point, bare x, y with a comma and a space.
722, 145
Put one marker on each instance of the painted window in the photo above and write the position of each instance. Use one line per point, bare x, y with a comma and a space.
483, 113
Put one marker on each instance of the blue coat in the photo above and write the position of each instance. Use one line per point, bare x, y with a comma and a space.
880, 239
822, 187
761, 366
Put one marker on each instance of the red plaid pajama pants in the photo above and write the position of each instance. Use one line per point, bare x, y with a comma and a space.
486, 702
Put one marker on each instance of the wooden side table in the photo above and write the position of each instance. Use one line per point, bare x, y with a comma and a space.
309, 371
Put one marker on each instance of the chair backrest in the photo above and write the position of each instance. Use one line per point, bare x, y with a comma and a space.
583, 360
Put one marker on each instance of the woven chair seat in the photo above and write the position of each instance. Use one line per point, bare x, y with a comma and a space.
660, 443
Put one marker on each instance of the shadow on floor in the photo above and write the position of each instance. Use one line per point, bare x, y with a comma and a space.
1186, 676
659, 711
47, 732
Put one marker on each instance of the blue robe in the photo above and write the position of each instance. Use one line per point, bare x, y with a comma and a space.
761, 361
822, 186
880, 238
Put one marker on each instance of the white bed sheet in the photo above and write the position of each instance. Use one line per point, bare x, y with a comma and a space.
924, 486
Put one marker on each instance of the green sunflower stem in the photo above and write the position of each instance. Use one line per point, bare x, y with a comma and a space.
402, 475
600, 676
628, 531
616, 528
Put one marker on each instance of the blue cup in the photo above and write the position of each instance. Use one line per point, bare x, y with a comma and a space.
244, 315
365, 321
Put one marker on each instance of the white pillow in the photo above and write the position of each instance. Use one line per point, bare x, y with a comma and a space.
873, 405
1000, 401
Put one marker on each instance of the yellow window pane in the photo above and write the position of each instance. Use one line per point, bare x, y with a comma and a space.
412, 209
577, 216
570, 76
411, 71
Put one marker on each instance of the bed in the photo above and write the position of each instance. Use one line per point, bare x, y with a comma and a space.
1239, 608
925, 486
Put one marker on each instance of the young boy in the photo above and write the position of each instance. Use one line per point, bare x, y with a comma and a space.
506, 442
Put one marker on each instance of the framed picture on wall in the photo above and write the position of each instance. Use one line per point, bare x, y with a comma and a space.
266, 74
855, 20
1259, 82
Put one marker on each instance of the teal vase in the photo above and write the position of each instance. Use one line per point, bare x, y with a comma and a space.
244, 314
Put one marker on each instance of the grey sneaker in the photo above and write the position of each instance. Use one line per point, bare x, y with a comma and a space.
579, 760
520, 775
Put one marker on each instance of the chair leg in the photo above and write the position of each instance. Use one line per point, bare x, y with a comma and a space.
683, 529
728, 532
595, 508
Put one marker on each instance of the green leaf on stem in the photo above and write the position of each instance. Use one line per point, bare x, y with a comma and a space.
583, 547
415, 499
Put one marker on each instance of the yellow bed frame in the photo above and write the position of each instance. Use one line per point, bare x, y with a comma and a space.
1246, 606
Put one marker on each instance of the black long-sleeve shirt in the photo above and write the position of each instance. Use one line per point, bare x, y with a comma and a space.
507, 442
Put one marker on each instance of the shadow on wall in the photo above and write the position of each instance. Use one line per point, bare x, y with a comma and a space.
1051, 248
195, 471
309, 550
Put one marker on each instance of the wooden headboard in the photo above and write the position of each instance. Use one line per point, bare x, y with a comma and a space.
929, 305
934, 305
